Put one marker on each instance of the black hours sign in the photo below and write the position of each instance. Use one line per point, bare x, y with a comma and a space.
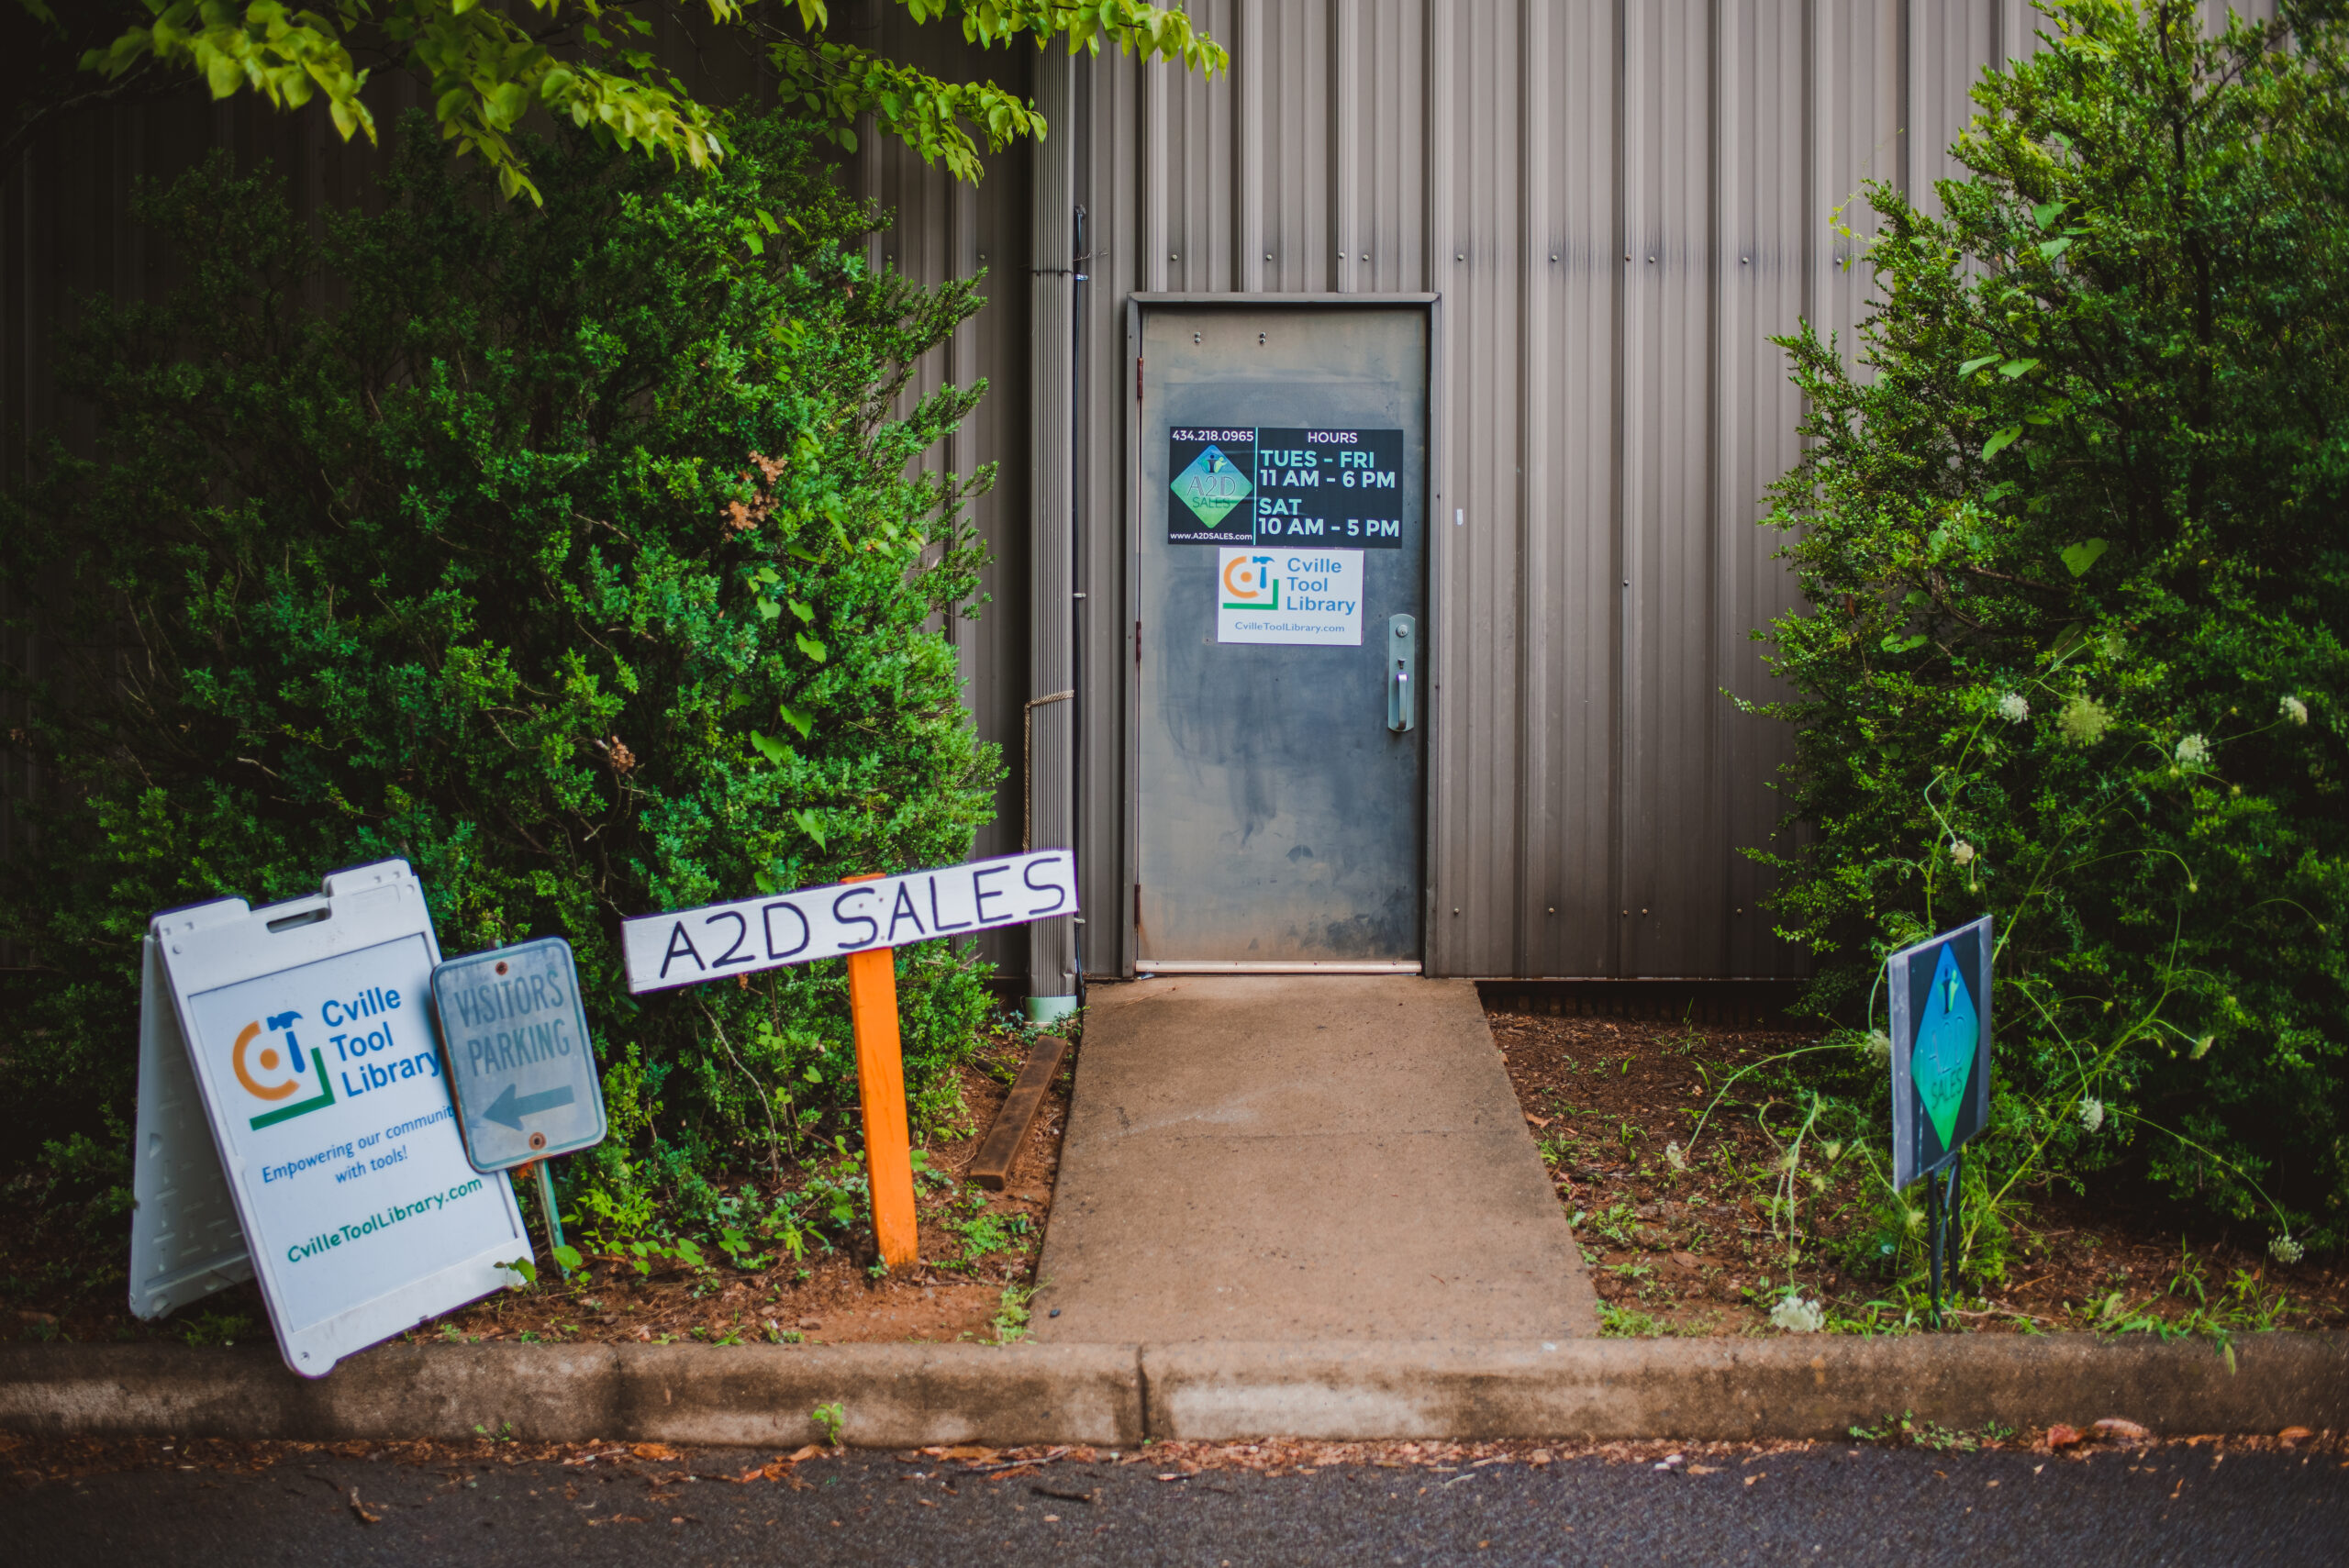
1285, 485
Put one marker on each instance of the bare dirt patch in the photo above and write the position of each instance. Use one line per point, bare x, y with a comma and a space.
977, 1266
1706, 1246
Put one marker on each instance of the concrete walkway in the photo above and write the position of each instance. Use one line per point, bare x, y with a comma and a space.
1301, 1157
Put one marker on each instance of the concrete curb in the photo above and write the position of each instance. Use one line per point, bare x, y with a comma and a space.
755, 1396
906, 1395
1734, 1389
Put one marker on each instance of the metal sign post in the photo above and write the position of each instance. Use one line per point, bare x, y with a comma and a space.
859, 920
1941, 1071
520, 1064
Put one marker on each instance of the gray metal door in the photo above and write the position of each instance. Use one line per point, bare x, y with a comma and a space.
1282, 566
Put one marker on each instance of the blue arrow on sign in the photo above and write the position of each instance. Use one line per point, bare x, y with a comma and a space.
510, 1107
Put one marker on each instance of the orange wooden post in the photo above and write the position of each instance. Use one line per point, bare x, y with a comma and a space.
880, 1095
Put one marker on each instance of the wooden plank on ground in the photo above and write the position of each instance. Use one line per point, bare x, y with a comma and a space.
992, 1165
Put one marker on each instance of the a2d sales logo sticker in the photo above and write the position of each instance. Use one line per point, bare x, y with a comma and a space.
1212, 482
1298, 597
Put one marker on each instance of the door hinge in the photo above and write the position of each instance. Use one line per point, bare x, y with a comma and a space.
1137, 645
1137, 903
1136, 378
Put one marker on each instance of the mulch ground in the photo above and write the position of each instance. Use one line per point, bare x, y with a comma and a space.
957, 1292
1703, 1249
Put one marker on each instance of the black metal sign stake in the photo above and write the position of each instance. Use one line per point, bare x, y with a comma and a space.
1942, 1196
1933, 1229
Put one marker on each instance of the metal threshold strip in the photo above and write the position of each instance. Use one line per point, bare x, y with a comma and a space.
1293, 966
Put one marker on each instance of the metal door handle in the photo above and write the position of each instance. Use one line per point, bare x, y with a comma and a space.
1402, 662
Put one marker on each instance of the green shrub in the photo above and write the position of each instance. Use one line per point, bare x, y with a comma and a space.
2076, 565
575, 555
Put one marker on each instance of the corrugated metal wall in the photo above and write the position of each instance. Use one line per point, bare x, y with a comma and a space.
1619, 204
1618, 201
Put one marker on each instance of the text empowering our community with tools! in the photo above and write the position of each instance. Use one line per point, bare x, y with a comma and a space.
752, 934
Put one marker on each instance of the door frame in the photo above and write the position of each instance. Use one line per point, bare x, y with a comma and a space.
1130, 543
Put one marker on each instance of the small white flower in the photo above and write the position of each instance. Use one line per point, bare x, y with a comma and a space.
2201, 1048
2193, 752
2285, 1249
1672, 1153
2083, 721
2092, 1113
1797, 1316
2013, 708
1961, 853
1878, 1044
2293, 709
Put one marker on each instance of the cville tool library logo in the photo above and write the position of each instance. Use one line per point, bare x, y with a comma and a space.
1250, 584
274, 1075
272, 1062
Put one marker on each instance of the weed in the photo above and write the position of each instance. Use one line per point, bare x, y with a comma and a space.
984, 1231
223, 1329
829, 1418
1618, 1223
1872, 1318
1905, 1428
1627, 1323
1011, 1312
503, 1432
2242, 1304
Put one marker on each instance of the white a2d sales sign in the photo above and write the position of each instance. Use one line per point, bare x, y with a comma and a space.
686, 947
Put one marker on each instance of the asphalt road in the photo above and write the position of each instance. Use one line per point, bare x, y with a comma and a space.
1874, 1505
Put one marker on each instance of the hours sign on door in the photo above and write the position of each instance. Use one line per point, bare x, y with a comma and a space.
1267, 485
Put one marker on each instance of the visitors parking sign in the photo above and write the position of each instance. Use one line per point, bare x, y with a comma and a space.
306, 1029
519, 1059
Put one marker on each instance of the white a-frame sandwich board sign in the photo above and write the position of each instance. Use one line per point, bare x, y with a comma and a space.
295, 1121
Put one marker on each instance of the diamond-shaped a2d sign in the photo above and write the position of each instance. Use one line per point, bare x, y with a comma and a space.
1947, 1036
1212, 486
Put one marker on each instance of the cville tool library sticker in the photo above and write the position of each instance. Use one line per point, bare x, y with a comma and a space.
1308, 598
